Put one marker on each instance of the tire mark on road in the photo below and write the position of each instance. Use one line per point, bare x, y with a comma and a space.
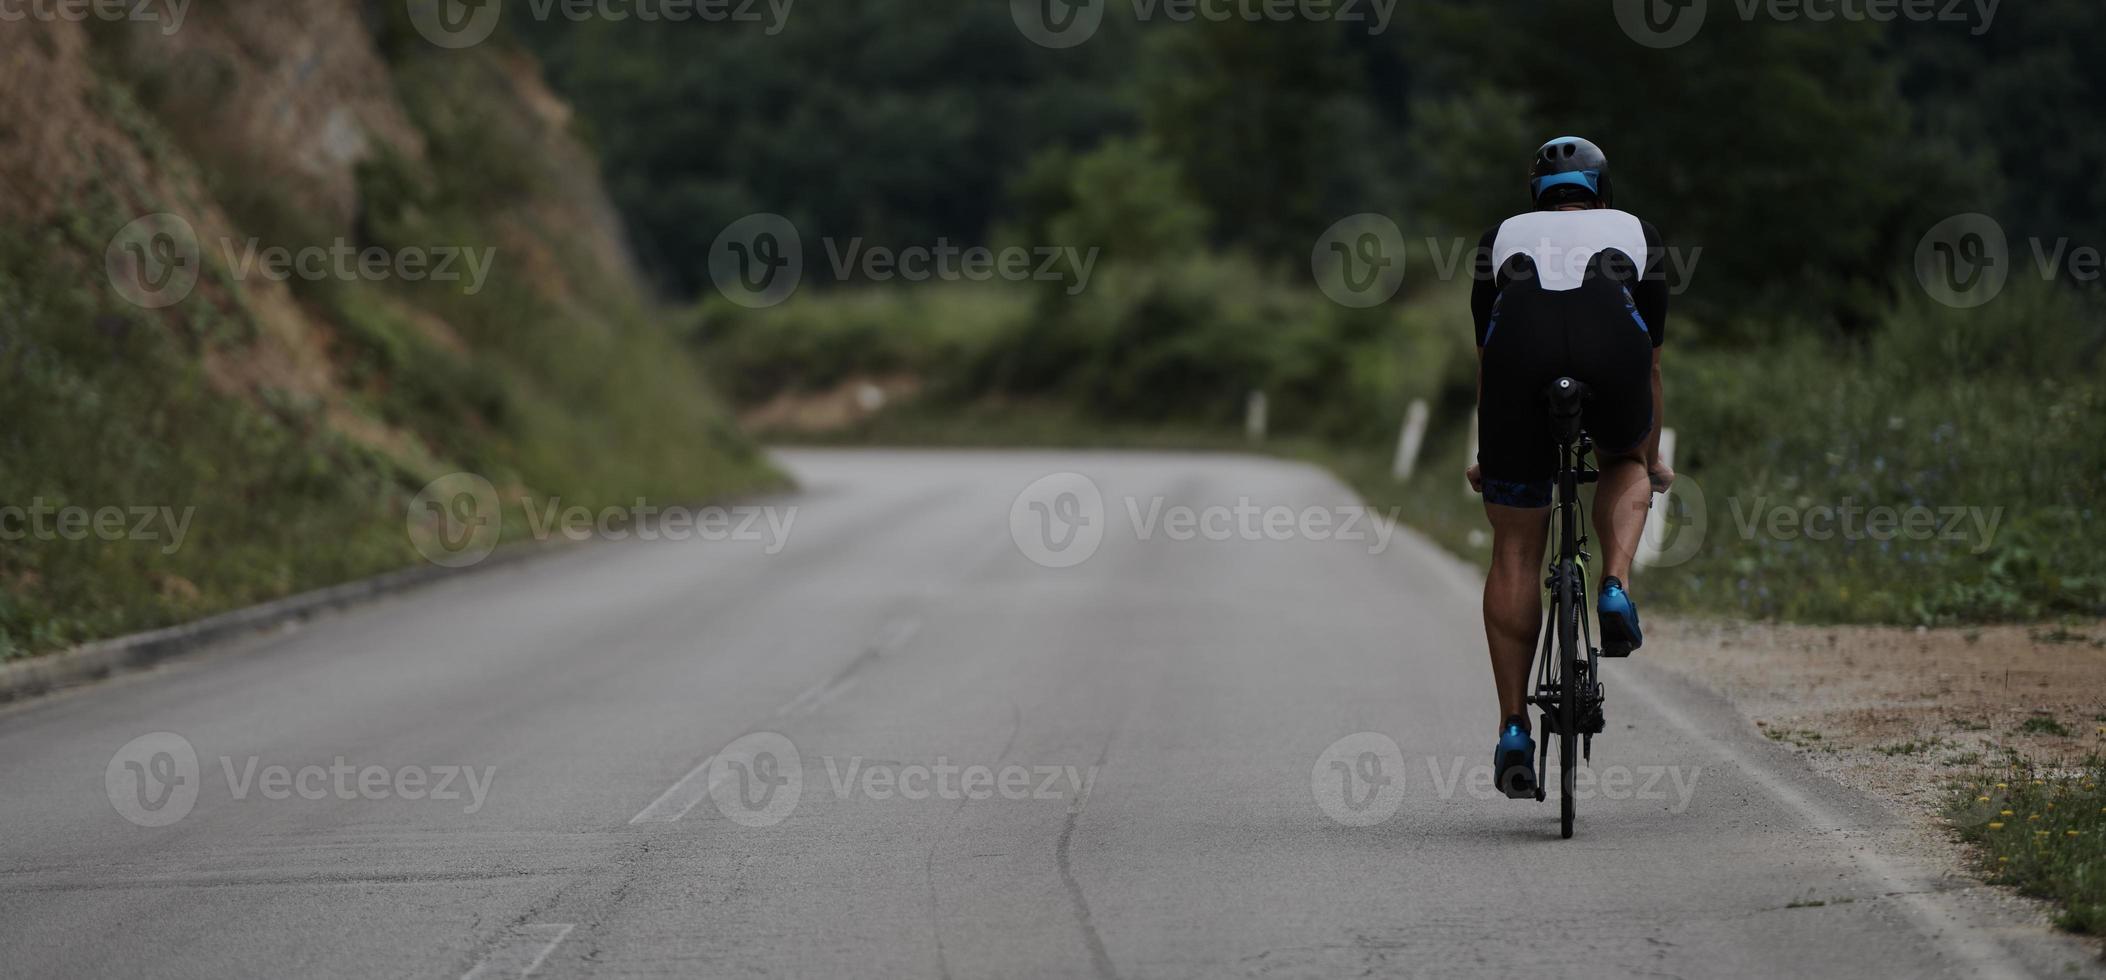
1099, 959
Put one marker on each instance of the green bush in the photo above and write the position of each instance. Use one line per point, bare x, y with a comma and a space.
1988, 416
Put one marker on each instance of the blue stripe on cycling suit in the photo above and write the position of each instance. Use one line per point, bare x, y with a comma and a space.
1632, 305
1492, 323
1511, 493
1589, 179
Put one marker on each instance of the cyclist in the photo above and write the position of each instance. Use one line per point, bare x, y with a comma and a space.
1571, 289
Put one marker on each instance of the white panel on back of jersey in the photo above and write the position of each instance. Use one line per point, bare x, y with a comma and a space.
1562, 244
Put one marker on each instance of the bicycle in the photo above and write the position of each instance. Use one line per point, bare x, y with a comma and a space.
1568, 687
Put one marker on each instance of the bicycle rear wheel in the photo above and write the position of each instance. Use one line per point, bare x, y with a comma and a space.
1569, 684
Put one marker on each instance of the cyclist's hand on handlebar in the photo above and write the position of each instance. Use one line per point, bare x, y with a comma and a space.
1475, 474
1663, 475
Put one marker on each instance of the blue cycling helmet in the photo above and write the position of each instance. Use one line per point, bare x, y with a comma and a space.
1567, 169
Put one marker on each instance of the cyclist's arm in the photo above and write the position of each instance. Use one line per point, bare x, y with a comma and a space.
1484, 290
1650, 294
1652, 442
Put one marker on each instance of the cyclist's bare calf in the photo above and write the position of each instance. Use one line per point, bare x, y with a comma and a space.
1625, 492
1621, 501
1513, 600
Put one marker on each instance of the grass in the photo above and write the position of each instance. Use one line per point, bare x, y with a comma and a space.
2043, 725
1910, 747
2044, 833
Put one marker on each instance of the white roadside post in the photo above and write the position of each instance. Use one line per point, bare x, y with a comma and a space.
1410, 441
1655, 537
1470, 458
1254, 416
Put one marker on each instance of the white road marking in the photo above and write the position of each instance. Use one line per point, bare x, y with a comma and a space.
520, 952
889, 639
696, 786
679, 798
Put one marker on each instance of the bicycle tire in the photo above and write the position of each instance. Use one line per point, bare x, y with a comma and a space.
1569, 683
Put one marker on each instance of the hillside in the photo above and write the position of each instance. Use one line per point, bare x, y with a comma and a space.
452, 295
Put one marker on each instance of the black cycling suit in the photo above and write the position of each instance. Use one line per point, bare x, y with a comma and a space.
1558, 295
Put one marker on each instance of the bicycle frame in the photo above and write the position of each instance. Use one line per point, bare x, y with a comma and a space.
1567, 688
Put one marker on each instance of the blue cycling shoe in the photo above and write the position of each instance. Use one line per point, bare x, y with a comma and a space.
1619, 620
1514, 762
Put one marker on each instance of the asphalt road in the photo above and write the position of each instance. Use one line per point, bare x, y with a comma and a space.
900, 741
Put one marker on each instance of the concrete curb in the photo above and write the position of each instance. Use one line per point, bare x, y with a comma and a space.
96, 661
